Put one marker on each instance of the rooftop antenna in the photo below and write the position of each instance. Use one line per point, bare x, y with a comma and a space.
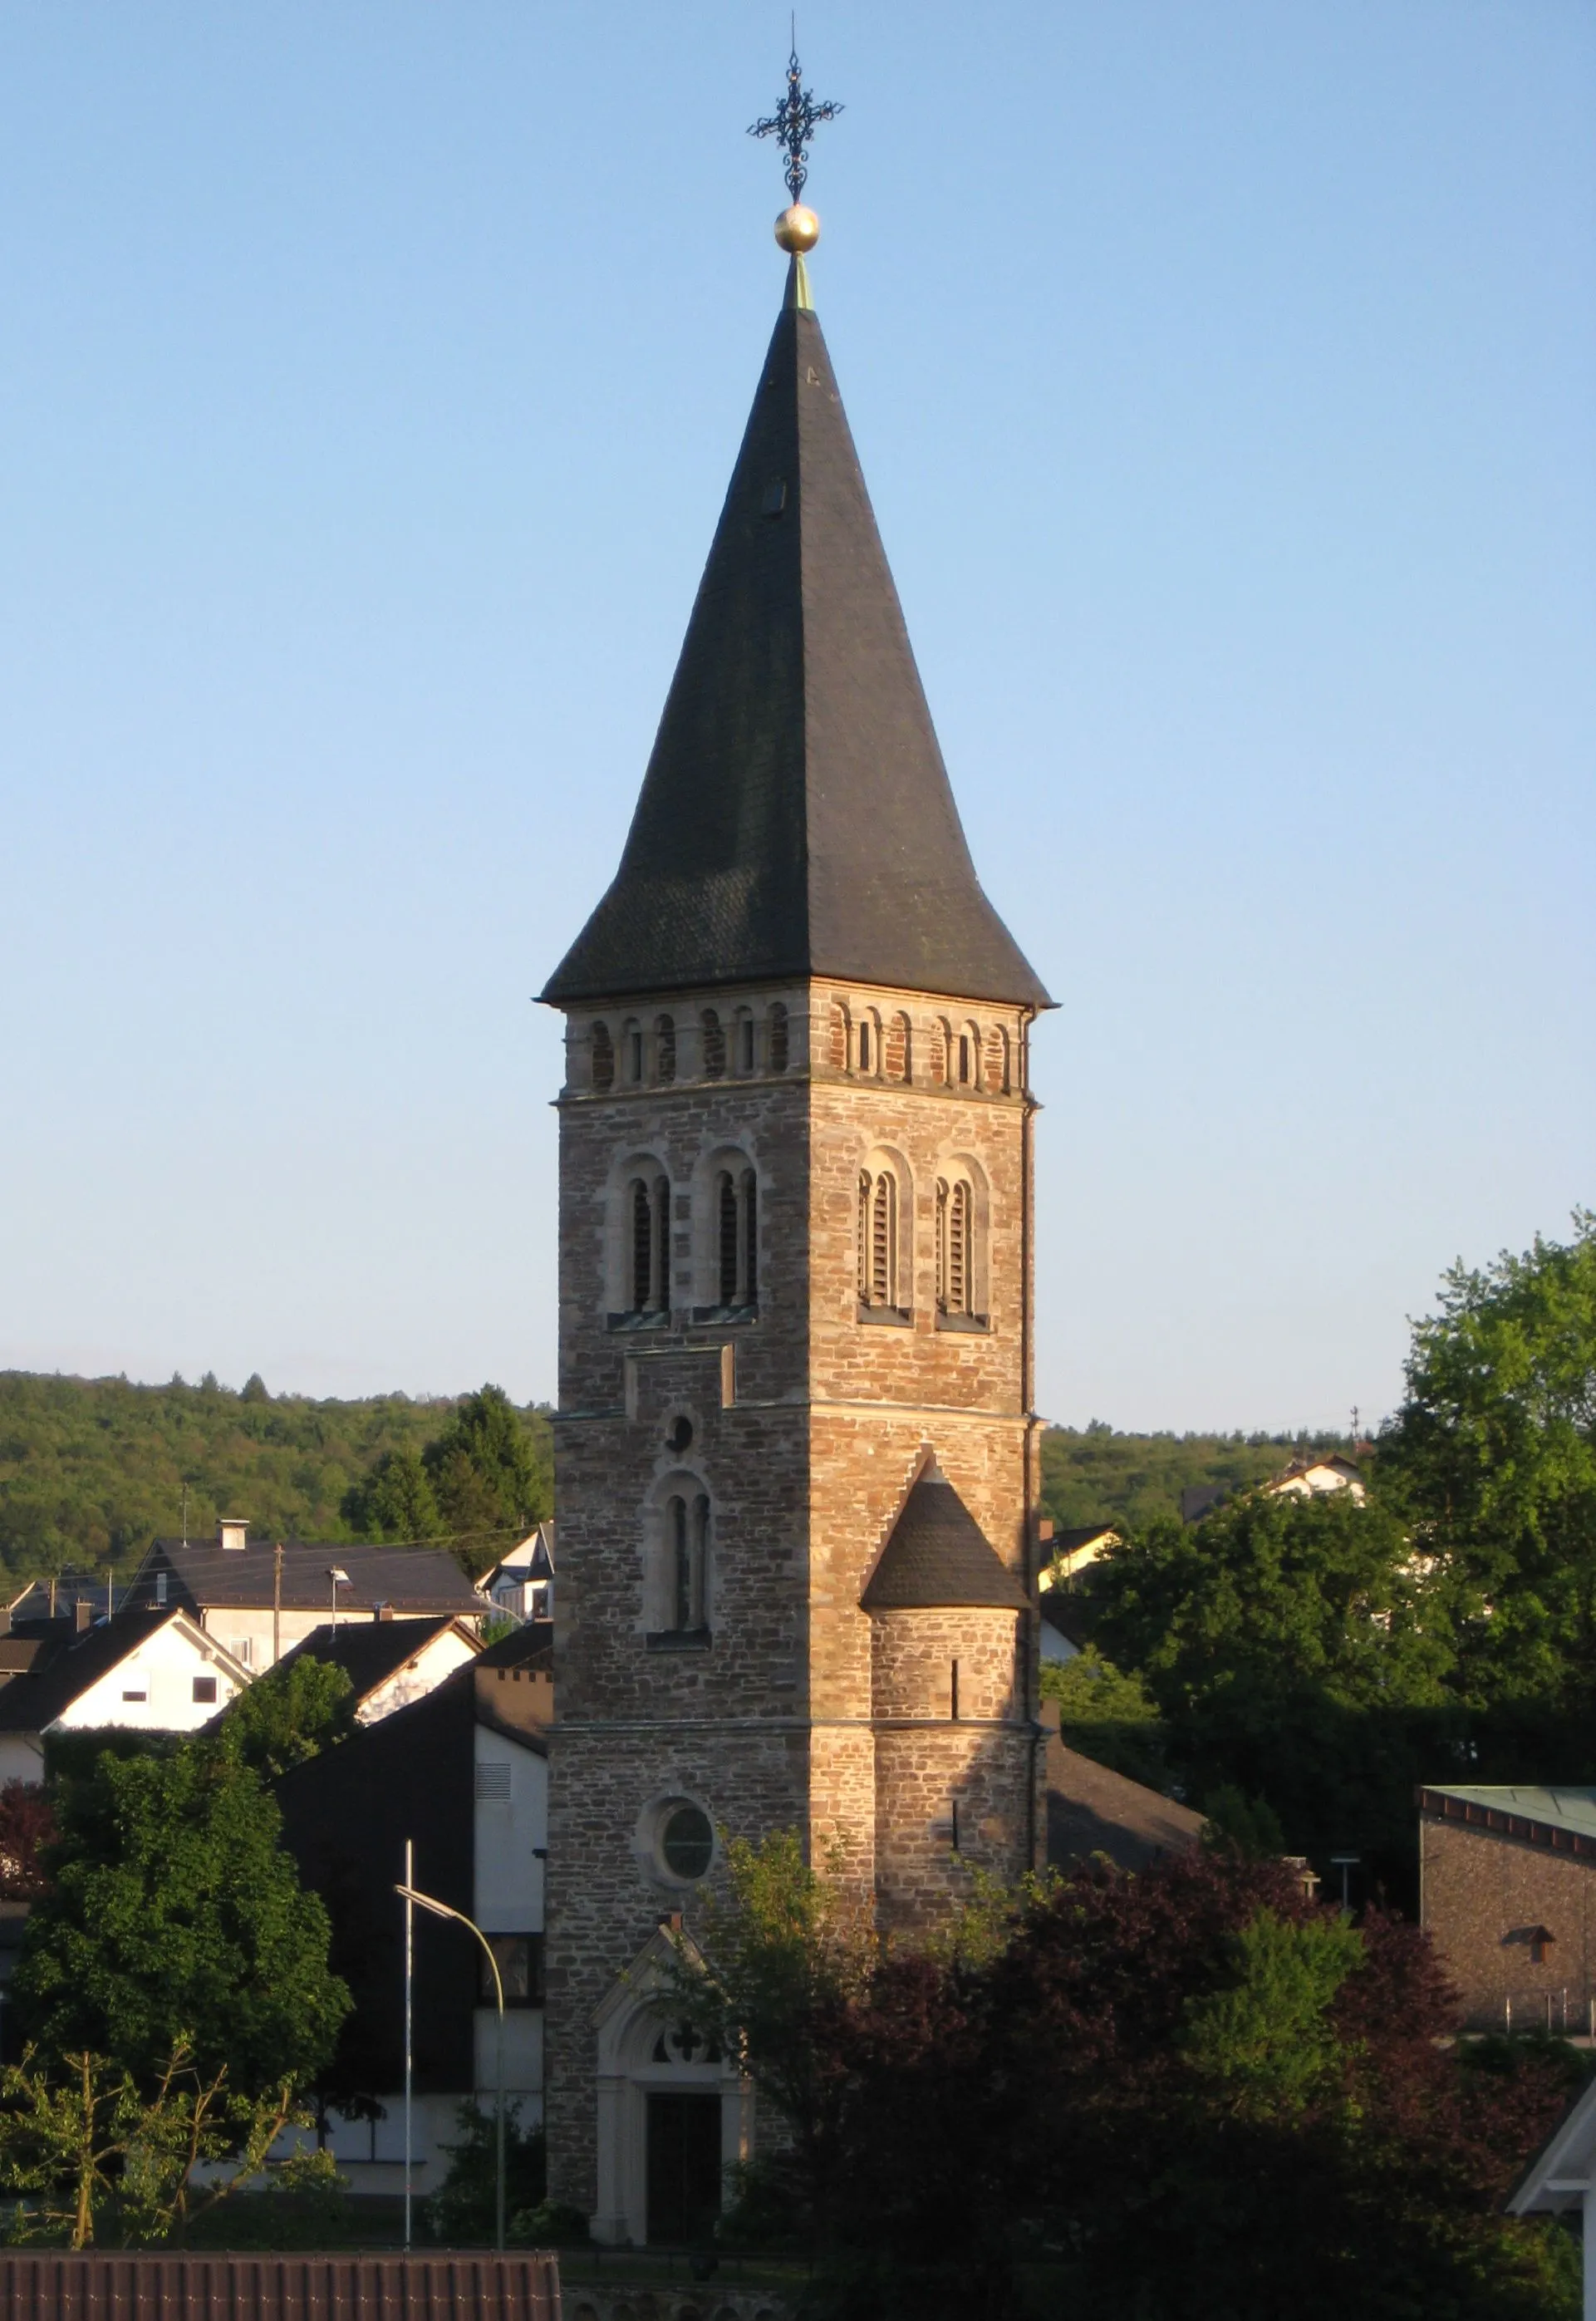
793, 125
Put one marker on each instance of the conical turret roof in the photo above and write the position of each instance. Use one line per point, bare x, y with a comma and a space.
796, 818
938, 1557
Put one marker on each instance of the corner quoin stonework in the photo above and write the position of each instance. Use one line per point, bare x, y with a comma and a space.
796, 1709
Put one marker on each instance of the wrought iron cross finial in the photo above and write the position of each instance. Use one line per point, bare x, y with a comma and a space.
794, 122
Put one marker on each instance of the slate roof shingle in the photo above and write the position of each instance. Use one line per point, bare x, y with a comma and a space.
412, 1580
796, 722
937, 1556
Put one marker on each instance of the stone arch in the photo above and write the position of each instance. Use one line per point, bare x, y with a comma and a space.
883, 1232
839, 1043
636, 1238
679, 1552
727, 1210
962, 1245
898, 1060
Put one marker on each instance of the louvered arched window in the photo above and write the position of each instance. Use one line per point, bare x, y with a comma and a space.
954, 1251
648, 1202
736, 1237
687, 1551
715, 1045
878, 1238
665, 1048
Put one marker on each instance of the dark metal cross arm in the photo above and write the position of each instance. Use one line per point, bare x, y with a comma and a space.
793, 123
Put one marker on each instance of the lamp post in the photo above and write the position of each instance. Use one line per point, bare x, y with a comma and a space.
340, 1578
413, 1894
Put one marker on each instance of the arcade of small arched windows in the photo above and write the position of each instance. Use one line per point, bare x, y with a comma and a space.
679, 1546
658, 1049
942, 1052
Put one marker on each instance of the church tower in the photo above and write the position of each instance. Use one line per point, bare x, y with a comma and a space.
795, 1454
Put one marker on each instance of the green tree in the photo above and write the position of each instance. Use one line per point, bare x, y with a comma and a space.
488, 1472
175, 1916
396, 1501
1491, 1460
1269, 2040
295, 1711
1108, 1715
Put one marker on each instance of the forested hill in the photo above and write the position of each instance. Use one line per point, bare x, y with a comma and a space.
1094, 1475
91, 1470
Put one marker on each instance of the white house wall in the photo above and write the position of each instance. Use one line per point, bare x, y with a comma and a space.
22, 1757
512, 1833
447, 1651
152, 1689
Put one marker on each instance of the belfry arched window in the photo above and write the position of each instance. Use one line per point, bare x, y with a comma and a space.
877, 1254
736, 1237
603, 1058
648, 1247
954, 1251
715, 1045
632, 1050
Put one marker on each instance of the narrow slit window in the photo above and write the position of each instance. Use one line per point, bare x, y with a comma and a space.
745, 1032
749, 1241
681, 1563
865, 1047
642, 1246
634, 1054
726, 1205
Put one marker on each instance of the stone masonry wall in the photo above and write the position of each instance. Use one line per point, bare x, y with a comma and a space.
1484, 1893
803, 1426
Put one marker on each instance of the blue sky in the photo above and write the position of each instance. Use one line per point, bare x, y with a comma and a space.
369, 379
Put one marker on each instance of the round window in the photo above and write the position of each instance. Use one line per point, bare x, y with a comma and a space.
686, 1841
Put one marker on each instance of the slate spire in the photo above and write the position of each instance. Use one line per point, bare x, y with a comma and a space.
796, 817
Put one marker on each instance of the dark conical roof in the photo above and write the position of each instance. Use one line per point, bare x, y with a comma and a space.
939, 1556
796, 817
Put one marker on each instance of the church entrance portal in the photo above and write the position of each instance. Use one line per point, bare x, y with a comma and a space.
683, 2165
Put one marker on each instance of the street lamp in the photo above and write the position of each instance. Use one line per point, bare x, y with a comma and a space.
1346, 1863
442, 1910
340, 1578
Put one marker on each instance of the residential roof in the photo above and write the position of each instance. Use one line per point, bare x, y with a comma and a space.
412, 1580
1556, 2177
530, 1645
795, 817
1561, 1818
1069, 1543
370, 1651
939, 1556
1091, 1809
1062, 1612
33, 1702
209, 2285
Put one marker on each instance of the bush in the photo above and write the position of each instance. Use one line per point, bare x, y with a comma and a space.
461, 2213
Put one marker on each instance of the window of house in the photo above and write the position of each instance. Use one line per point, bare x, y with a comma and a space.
161, 1587
204, 1690
878, 1238
519, 1960
665, 1048
603, 1056
715, 1045
135, 1695
242, 1649
736, 1237
778, 1038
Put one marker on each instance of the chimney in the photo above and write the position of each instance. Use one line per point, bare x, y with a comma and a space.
232, 1533
382, 1611
83, 1617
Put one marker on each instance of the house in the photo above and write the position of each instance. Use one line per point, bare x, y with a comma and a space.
522, 1586
260, 1598
1073, 1550
1061, 1634
1308, 1478
1563, 2176
1199, 1499
1507, 1888
462, 1777
1091, 1809
145, 1671
389, 1662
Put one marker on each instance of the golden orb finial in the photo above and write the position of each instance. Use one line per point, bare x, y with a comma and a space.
797, 228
